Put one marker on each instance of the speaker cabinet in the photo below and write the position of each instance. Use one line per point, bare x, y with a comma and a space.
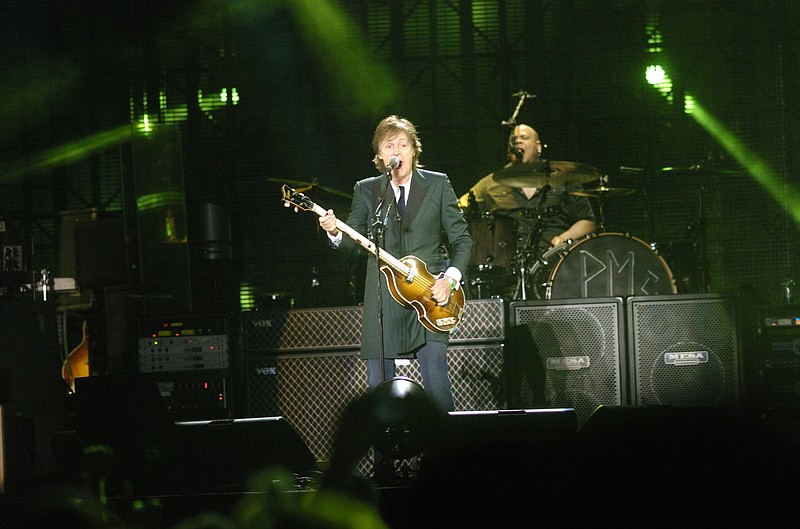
684, 350
30, 374
476, 373
575, 347
312, 390
339, 328
222, 454
492, 432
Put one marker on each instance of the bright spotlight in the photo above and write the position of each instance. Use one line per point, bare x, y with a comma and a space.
655, 74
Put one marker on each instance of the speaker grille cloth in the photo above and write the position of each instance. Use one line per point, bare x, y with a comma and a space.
668, 335
579, 347
339, 328
311, 391
483, 321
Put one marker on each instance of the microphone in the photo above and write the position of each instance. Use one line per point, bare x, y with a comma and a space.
394, 163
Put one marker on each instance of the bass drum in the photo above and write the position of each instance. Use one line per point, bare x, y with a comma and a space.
604, 265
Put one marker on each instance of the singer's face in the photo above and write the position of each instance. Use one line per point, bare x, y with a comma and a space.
526, 140
401, 146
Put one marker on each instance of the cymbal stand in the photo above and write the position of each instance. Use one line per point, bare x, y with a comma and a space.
601, 214
529, 253
699, 224
525, 258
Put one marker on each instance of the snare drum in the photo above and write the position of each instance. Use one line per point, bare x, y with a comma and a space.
604, 265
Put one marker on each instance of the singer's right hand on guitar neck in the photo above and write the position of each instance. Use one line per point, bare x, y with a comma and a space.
328, 223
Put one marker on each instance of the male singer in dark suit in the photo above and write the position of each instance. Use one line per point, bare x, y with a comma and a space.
419, 206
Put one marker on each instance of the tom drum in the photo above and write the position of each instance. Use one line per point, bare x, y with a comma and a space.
494, 244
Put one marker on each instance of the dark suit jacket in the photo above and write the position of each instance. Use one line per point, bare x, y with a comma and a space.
431, 211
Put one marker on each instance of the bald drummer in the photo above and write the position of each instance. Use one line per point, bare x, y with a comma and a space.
561, 216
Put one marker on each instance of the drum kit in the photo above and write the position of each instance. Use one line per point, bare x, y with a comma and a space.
507, 264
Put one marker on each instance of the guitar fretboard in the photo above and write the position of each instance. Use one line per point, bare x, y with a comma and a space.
397, 265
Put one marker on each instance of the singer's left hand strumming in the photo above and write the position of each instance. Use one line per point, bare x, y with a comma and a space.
441, 290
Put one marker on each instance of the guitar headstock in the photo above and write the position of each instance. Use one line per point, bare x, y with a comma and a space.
298, 200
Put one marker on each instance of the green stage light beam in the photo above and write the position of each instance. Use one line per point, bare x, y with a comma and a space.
64, 155
360, 78
784, 193
787, 195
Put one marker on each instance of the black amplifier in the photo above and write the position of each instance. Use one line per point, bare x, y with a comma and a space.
196, 395
779, 337
183, 344
778, 352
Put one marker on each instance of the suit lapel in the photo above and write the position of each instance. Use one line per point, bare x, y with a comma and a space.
419, 190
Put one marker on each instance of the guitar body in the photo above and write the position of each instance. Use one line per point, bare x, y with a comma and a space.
435, 318
77, 363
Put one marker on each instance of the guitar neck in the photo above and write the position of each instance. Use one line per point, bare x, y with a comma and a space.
397, 265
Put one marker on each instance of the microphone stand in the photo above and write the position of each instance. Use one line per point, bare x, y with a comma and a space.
531, 245
378, 230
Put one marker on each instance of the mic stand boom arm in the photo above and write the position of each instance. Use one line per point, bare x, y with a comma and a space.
512, 121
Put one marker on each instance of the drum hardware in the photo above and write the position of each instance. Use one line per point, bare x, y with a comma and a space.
539, 212
559, 175
532, 241
606, 186
626, 182
695, 233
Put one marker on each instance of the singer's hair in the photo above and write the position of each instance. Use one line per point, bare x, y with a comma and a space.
390, 126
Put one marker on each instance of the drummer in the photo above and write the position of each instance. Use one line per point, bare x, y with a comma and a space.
559, 216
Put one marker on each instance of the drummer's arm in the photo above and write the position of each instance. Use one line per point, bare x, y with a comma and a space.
463, 201
577, 231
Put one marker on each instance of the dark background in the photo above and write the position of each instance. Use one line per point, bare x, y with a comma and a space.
313, 79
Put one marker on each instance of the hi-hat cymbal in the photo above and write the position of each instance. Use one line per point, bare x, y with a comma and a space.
539, 174
303, 187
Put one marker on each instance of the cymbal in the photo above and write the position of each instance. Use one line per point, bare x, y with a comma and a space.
609, 185
539, 174
700, 169
302, 187
603, 191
